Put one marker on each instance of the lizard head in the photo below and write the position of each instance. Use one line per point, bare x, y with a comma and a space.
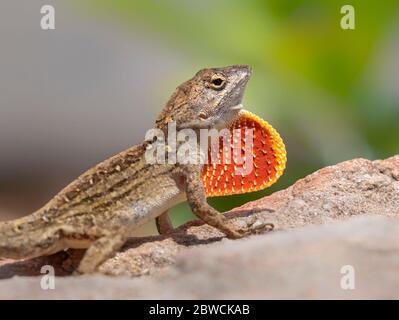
211, 99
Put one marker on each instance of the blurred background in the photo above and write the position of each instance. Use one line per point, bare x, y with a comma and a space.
73, 96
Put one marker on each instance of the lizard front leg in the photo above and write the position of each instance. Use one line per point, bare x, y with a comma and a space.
197, 201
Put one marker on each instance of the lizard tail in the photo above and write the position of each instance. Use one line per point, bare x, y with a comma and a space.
15, 239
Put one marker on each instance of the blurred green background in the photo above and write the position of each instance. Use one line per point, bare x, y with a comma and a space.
332, 94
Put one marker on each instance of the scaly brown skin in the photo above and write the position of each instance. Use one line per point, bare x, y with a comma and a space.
101, 208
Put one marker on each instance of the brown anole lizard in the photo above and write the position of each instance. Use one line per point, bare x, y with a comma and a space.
101, 208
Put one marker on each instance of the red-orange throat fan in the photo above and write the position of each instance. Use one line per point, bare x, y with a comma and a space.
222, 178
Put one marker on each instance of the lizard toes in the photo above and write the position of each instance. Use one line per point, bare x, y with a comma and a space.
257, 227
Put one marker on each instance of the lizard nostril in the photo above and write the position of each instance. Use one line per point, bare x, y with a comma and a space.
202, 115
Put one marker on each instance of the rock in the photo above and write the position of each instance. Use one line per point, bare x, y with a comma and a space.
335, 193
303, 263
197, 262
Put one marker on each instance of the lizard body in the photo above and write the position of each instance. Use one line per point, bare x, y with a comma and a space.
101, 208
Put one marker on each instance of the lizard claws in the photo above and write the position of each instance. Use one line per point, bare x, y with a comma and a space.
257, 228
253, 227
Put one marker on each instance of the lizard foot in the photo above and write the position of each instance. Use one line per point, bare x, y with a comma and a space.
253, 226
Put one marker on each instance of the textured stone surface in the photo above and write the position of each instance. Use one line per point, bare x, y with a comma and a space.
196, 261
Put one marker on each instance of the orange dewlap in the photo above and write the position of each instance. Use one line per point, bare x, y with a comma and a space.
269, 159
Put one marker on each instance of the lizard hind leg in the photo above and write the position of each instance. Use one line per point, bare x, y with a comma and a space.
102, 249
163, 223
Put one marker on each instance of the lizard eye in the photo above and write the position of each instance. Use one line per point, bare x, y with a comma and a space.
218, 82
